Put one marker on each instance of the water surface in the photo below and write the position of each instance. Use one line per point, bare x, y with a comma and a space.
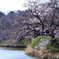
6, 53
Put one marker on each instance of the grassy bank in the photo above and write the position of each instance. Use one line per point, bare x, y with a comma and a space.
14, 44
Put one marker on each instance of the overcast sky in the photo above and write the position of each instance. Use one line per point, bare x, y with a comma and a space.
8, 5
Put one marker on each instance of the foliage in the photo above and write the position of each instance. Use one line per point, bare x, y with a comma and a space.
19, 43
36, 40
52, 48
58, 40
55, 50
4, 43
23, 42
49, 46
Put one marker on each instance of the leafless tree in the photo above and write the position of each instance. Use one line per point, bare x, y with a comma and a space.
46, 13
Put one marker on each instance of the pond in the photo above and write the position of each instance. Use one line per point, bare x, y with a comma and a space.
8, 53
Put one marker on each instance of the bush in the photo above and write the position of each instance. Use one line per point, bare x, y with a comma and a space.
58, 40
52, 48
23, 42
4, 43
49, 46
36, 40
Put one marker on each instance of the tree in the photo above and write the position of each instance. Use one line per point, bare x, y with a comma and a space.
46, 13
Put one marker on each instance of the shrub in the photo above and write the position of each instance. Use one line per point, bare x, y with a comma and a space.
55, 50
58, 40
36, 40
49, 46
23, 42
52, 48
4, 43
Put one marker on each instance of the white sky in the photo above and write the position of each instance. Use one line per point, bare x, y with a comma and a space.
8, 5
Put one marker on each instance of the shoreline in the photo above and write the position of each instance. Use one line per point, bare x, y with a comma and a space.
41, 53
13, 46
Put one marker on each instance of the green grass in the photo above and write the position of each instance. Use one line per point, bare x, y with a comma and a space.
20, 43
4, 43
23, 42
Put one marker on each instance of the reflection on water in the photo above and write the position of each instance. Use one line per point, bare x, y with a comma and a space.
13, 54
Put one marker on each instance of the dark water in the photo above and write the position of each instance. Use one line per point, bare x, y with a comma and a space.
6, 53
